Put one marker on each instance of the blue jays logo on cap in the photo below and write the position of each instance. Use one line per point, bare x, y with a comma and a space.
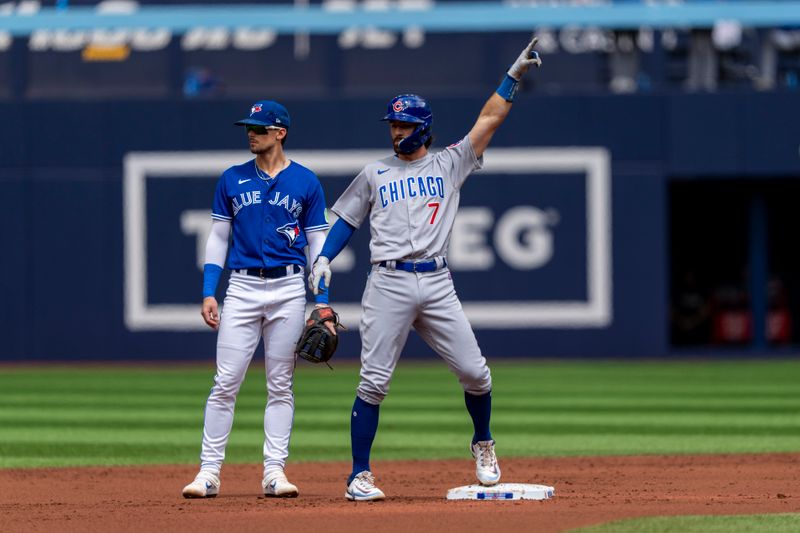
266, 113
291, 231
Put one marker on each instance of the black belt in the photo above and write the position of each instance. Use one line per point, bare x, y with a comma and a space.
270, 273
421, 266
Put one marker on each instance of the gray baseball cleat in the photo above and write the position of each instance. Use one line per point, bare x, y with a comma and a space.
486, 467
363, 489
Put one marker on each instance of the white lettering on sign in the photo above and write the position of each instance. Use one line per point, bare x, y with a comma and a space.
522, 237
197, 223
469, 249
141, 40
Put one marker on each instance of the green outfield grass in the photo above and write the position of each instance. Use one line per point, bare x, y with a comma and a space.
772, 523
134, 415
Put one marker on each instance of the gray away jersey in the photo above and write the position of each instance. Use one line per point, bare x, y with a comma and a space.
411, 205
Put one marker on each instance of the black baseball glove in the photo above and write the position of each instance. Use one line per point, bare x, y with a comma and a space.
317, 344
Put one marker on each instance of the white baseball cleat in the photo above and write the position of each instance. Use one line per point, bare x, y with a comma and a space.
486, 467
363, 489
205, 485
276, 485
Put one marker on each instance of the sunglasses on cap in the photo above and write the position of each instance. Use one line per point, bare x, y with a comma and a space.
261, 130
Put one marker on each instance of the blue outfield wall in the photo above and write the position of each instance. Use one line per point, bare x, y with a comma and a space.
530, 247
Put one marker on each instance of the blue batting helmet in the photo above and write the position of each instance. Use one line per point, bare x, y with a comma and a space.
414, 109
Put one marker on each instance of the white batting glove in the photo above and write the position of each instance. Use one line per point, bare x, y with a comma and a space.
526, 59
320, 270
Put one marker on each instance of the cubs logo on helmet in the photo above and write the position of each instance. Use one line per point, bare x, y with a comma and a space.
291, 231
414, 109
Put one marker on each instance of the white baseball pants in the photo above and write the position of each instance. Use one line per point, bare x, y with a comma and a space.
255, 308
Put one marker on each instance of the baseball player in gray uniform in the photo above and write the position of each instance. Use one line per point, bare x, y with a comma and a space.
411, 199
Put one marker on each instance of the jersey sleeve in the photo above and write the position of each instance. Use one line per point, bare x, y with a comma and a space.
356, 201
461, 157
221, 208
313, 214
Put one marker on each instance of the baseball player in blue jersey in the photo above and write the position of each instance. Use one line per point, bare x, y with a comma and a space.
272, 208
411, 199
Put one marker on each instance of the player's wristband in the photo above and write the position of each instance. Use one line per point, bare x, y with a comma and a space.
211, 274
508, 88
322, 296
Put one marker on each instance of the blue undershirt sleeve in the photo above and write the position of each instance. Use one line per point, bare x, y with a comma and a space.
337, 239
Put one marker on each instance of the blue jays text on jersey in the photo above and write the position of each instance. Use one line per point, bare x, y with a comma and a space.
254, 197
410, 187
269, 217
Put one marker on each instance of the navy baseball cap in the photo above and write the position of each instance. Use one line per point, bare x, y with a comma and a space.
266, 113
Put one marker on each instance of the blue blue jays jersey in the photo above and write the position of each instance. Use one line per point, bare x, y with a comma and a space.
269, 217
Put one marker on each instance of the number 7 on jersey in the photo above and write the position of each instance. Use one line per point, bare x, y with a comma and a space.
435, 206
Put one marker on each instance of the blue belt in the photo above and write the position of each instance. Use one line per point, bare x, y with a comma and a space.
270, 273
421, 266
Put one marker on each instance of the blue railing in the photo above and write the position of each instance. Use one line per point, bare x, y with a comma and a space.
441, 17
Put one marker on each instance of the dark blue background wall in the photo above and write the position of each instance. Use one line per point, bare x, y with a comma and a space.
62, 239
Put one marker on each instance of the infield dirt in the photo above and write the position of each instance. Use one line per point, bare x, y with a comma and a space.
589, 490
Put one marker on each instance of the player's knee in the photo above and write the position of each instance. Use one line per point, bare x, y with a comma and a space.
371, 394
225, 387
280, 395
476, 380
279, 385
223, 395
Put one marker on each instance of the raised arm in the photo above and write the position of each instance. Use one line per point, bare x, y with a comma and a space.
498, 105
